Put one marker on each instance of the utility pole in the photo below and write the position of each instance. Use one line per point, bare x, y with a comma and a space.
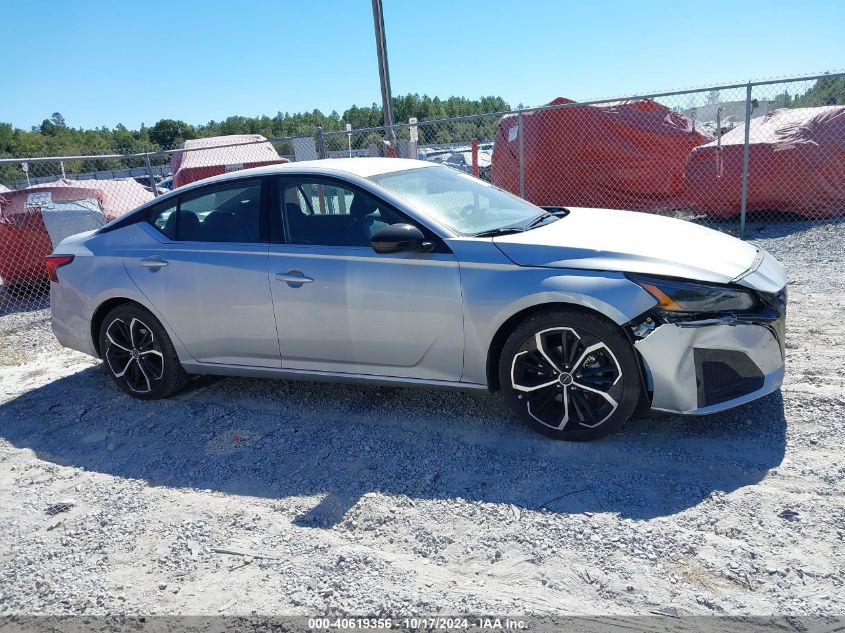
383, 72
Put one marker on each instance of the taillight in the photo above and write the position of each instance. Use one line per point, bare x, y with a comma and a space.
54, 262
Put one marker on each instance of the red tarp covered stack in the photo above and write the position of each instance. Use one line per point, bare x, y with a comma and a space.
34, 220
624, 155
796, 163
204, 163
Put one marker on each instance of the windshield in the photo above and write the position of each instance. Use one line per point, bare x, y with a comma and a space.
459, 202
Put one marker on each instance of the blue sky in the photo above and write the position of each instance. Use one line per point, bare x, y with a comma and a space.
108, 62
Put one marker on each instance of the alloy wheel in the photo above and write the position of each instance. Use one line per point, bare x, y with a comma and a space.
567, 378
133, 355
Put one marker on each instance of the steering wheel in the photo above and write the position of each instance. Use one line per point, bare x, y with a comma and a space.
467, 213
359, 226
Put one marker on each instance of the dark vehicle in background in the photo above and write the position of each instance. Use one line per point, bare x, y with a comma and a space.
461, 158
147, 181
152, 184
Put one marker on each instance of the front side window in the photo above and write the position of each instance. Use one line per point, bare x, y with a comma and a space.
326, 214
222, 213
457, 201
324, 199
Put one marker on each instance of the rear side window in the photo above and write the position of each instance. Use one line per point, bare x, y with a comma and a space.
228, 214
163, 217
221, 213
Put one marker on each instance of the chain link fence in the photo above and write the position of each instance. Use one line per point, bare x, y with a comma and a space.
726, 156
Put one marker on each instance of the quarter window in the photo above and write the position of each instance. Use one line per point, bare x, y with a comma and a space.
163, 217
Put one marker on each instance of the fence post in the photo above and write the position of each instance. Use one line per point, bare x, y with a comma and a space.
414, 136
321, 143
521, 138
745, 155
150, 174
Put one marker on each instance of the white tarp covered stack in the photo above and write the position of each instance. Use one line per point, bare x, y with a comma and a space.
119, 196
34, 220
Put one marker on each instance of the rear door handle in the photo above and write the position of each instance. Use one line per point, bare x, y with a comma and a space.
155, 262
294, 278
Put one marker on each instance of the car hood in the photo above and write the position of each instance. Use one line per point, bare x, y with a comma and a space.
625, 241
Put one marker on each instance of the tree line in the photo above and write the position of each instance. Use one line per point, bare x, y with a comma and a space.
56, 137
824, 92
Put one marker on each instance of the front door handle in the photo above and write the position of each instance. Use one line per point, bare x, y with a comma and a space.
294, 278
155, 262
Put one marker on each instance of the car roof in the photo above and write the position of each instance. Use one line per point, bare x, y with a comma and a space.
363, 167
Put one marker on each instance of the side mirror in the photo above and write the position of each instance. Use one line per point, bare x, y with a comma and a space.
398, 238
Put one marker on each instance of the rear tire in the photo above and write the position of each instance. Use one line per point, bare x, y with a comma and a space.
570, 375
138, 353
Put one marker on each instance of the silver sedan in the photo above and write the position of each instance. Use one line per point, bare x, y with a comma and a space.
392, 271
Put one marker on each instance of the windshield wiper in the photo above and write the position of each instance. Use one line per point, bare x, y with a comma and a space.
520, 228
539, 220
505, 230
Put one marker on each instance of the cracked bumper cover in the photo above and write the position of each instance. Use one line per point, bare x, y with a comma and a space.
706, 368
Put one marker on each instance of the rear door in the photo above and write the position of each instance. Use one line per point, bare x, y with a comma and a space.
201, 260
342, 307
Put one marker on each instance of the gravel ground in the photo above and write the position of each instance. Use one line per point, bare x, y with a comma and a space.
248, 496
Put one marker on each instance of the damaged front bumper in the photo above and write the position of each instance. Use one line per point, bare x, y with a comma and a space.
709, 365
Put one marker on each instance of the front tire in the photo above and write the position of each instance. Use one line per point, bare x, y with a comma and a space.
570, 375
138, 353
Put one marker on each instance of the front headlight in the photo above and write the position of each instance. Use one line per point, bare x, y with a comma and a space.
692, 297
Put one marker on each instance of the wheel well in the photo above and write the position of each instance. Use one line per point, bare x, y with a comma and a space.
100, 314
498, 343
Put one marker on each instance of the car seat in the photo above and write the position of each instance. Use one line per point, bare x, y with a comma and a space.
367, 219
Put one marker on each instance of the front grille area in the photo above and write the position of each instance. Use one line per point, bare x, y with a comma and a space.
723, 375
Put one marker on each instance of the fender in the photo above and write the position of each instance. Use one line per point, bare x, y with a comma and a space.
488, 304
92, 282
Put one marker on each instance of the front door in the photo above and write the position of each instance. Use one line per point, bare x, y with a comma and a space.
201, 260
342, 307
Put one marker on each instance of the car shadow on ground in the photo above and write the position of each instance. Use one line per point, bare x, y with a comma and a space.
281, 439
